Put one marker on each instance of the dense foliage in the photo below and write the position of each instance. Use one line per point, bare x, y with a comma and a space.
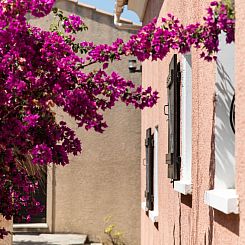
42, 69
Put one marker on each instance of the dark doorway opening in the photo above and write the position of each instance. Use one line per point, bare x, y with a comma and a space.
40, 196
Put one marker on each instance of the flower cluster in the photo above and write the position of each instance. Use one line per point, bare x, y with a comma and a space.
73, 23
155, 40
41, 69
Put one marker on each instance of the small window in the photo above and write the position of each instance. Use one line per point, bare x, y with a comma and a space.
149, 151
154, 213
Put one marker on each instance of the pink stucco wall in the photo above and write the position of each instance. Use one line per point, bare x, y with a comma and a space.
186, 219
240, 110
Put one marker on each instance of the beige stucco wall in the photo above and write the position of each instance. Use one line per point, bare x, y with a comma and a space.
8, 226
105, 179
186, 219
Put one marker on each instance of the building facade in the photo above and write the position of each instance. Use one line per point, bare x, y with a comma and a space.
104, 181
205, 205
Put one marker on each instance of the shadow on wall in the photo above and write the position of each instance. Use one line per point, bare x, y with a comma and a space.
208, 239
174, 234
186, 200
230, 222
225, 139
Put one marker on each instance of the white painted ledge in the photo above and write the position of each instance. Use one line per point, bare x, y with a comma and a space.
183, 187
224, 200
153, 215
143, 206
31, 225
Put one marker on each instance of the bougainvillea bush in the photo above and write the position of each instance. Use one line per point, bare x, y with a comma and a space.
42, 69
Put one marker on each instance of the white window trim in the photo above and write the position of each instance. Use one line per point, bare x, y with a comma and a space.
184, 186
224, 196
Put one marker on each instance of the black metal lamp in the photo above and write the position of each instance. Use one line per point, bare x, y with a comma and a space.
232, 114
132, 66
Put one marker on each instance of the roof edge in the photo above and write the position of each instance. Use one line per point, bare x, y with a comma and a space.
99, 10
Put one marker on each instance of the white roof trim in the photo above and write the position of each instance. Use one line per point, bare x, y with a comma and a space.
99, 11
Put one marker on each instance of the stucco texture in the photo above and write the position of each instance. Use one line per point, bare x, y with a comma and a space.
240, 112
105, 179
8, 226
186, 220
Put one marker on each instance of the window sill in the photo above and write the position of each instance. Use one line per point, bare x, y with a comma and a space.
143, 206
183, 187
31, 227
153, 215
224, 200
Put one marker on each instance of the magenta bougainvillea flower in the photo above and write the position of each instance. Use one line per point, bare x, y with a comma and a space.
41, 69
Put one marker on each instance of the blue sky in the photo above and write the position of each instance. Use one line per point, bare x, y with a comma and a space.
108, 5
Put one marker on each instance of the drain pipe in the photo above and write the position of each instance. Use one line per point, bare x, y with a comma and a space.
119, 4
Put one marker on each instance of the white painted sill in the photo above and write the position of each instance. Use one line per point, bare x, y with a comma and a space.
153, 215
31, 225
224, 200
183, 187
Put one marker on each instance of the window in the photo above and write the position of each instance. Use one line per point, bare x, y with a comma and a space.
151, 192
154, 213
184, 185
149, 151
223, 197
173, 85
